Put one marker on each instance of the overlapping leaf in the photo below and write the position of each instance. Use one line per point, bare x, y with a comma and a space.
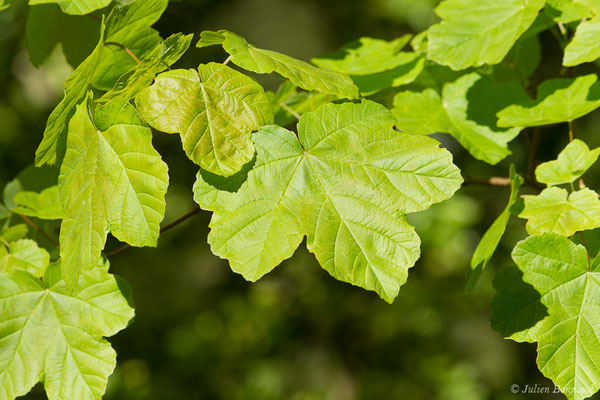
375, 64
111, 179
487, 246
593, 5
52, 333
560, 313
478, 32
24, 255
346, 184
75, 7
43, 205
288, 97
553, 212
467, 112
127, 26
141, 75
572, 162
584, 47
558, 100
262, 61
51, 148
215, 110
565, 11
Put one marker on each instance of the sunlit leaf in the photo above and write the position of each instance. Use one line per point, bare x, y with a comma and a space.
585, 46
24, 255
43, 205
75, 7
572, 162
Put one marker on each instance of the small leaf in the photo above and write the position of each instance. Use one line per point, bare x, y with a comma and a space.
584, 47
75, 7
262, 61
25, 255
43, 205
56, 334
347, 190
51, 148
559, 100
565, 11
478, 32
551, 211
215, 110
111, 179
141, 75
573, 161
487, 246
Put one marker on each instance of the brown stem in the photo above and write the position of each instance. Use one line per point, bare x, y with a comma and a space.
165, 228
37, 228
498, 181
124, 48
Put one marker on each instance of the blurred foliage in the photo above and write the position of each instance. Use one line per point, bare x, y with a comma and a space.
202, 332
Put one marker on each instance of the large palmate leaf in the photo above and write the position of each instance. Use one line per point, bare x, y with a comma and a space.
75, 7
478, 32
141, 75
51, 148
558, 100
129, 26
111, 179
54, 334
572, 162
24, 255
551, 211
48, 26
584, 47
262, 61
487, 246
375, 64
215, 109
345, 182
561, 313
467, 112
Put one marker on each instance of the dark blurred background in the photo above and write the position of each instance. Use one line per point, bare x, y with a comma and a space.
203, 332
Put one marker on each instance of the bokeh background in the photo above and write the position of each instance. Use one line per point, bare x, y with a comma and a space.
203, 332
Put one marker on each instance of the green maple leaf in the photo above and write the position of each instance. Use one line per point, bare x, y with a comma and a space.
51, 148
572, 162
561, 313
54, 334
300, 73
467, 111
43, 205
24, 255
215, 109
75, 7
111, 179
584, 47
346, 183
478, 32
559, 100
551, 211
141, 75
129, 26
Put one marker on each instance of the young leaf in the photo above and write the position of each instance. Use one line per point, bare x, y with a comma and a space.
565, 11
215, 110
467, 112
487, 246
129, 26
345, 184
43, 205
111, 179
75, 7
551, 211
56, 334
478, 32
584, 47
48, 26
76, 86
559, 100
141, 75
568, 343
24, 255
262, 61
572, 162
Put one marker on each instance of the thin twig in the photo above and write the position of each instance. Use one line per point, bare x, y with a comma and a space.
227, 60
290, 110
165, 228
498, 181
124, 48
37, 228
